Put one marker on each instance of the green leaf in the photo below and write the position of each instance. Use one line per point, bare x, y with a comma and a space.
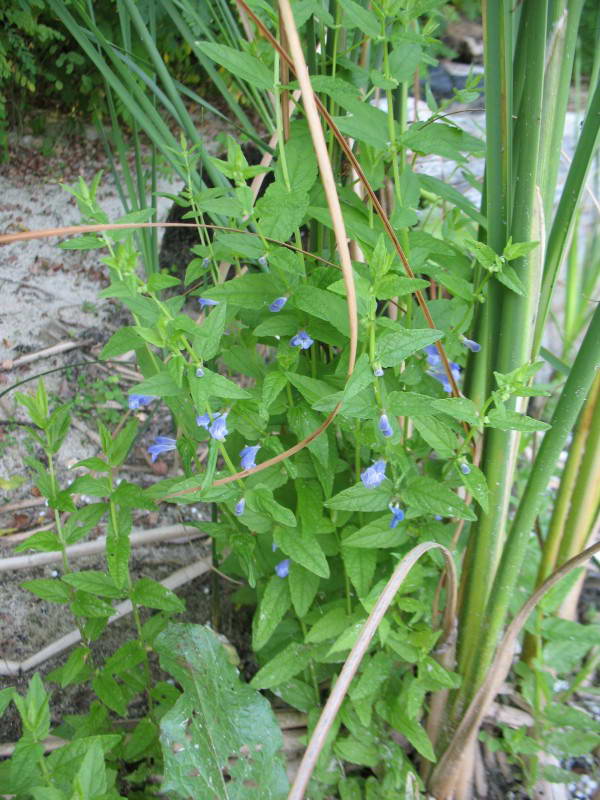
48, 589
304, 585
90, 781
271, 610
285, 665
570, 743
151, 594
110, 692
452, 195
159, 281
118, 545
94, 582
301, 161
85, 484
376, 534
217, 385
65, 761
324, 305
43, 541
360, 568
304, 548
428, 496
121, 445
248, 291
397, 286
159, 385
207, 338
355, 16
510, 279
394, 348
438, 435
414, 732
441, 139
506, 420
312, 389
261, 499
281, 211
404, 60
329, 626
87, 605
218, 726
124, 340
359, 498
476, 483
460, 408
242, 65
410, 404
73, 668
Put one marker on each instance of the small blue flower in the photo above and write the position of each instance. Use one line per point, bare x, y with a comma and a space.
199, 372
203, 420
248, 455
278, 304
443, 378
262, 261
378, 372
374, 475
465, 469
433, 357
162, 444
273, 547
474, 347
239, 507
206, 301
384, 426
283, 568
136, 401
438, 517
218, 429
205, 262
397, 515
301, 340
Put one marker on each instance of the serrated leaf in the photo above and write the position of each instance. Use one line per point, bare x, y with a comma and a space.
510, 279
396, 286
431, 497
394, 348
506, 420
285, 665
118, 545
360, 568
247, 291
410, 404
304, 585
303, 547
414, 732
122, 341
359, 498
438, 435
241, 65
207, 337
271, 610
281, 211
151, 594
376, 534
476, 483
368, 754
460, 408
94, 582
48, 589
220, 739
261, 499
323, 304
43, 541
159, 385
330, 625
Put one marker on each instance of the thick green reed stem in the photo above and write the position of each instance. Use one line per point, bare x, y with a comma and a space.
514, 328
565, 213
557, 84
572, 398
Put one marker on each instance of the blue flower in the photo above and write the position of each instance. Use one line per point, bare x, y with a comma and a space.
199, 372
136, 401
248, 455
474, 347
206, 301
301, 340
162, 444
443, 378
203, 420
374, 475
378, 372
384, 426
397, 515
239, 507
465, 469
262, 261
218, 429
433, 357
283, 568
278, 304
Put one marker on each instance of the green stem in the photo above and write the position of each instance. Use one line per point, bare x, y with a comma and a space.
567, 410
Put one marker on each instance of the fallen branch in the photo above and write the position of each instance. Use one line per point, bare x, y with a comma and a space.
173, 581
166, 533
61, 347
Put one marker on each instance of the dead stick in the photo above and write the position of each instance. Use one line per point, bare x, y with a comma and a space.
97, 546
61, 347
